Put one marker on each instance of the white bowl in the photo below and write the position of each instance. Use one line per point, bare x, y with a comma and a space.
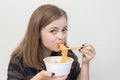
53, 64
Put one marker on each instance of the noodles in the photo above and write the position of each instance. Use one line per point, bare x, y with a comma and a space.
64, 52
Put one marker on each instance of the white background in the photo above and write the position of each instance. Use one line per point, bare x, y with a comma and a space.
90, 21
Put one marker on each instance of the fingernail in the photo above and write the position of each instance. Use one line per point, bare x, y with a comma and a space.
53, 74
83, 45
81, 48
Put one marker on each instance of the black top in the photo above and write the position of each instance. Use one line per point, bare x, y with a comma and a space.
17, 70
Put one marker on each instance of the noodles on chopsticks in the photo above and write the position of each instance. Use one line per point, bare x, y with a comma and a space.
64, 51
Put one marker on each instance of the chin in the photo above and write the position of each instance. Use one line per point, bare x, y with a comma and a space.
57, 50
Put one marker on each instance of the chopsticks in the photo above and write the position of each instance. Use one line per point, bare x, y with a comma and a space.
73, 48
64, 51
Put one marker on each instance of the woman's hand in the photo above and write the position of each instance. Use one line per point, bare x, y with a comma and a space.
88, 53
45, 75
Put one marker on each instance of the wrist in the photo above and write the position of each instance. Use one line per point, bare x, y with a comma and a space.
85, 64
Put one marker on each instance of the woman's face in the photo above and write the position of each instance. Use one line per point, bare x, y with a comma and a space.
54, 33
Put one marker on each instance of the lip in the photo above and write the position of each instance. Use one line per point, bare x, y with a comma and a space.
59, 43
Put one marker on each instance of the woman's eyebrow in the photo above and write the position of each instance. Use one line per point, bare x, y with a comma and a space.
65, 26
54, 28
58, 27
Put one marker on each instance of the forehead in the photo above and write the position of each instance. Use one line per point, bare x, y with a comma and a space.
61, 22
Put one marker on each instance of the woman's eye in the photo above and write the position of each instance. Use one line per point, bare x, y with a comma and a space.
64, 30
53, 31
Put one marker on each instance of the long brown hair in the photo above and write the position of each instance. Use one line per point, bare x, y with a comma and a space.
31, 46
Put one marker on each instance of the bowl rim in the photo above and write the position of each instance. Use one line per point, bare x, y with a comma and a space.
58, 58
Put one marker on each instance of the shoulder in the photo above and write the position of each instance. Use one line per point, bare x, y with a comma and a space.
18, 70
75, 57
16, 59
75, 69
15, 63
15, 68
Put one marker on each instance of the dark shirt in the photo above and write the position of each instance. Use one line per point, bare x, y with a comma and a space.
17, 70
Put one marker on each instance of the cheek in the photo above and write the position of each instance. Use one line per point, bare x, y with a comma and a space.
65, 37
44, 38
47, 39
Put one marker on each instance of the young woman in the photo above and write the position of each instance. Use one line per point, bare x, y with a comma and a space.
46, 29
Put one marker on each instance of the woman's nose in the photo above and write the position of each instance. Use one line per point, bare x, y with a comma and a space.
61, 36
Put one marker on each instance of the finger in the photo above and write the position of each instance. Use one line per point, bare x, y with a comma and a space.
88, 45
46, 73
88, 48
87, 54
65, 76
62, 77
